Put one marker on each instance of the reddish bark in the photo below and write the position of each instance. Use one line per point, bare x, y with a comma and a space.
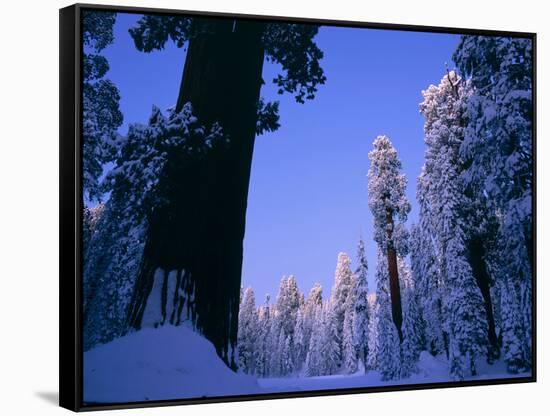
395, 291
200, 231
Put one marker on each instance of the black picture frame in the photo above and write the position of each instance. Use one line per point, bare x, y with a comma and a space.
71, 206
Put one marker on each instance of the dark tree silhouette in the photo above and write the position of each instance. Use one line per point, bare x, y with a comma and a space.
100, 98
199, 231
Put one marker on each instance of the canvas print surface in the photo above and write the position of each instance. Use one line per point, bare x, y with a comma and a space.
276, 207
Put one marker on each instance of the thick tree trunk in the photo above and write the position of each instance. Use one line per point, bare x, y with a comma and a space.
395, 290
194, 248
476, 253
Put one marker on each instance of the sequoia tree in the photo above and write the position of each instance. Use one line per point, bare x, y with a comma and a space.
388, 204
498, 152
198, 232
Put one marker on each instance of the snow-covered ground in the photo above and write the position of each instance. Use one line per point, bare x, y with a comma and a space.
431, 370
176, 363
160, 364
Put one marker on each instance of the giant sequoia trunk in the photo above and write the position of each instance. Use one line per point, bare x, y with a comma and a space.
395, 290
193, 254
476, 252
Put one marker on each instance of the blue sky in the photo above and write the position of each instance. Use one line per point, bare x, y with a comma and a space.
308, 190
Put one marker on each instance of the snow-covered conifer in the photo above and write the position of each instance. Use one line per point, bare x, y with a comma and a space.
344, 285
426, 274
389, 206
263, 347
247, 332
349, 350
100, 102
372, 358
465, 314
300, 346
443, 108
287, 362
313, 301
413, 325
498, 149
361, 313
314, 365
331, 343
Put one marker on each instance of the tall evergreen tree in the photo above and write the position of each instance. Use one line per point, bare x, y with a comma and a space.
465, 313
313, 302
372, 358
287, 304
444, 132
248, 332
388, 204
349, 349
361, 313
287, 362
284, 322
273, 342
314, 365
413, 325
331, 350
263, 349
425, 271
498, 150
300, 346
344, 285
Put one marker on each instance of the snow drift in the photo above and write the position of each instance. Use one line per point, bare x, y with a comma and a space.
160, 364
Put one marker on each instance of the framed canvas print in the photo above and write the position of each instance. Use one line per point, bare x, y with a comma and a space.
259, 207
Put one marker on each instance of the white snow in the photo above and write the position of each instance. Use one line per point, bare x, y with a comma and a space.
159, 364
152, 314
430, 370
176, 363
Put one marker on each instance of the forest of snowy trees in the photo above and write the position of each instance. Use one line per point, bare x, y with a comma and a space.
457, 283
309, 335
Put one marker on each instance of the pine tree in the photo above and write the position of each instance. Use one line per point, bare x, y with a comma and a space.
344, 285
349, 350
248, 332
288, 303
314, 300
361, 314
263, 349
274, 357
286, 307
388, 204
314, 365
331, 351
